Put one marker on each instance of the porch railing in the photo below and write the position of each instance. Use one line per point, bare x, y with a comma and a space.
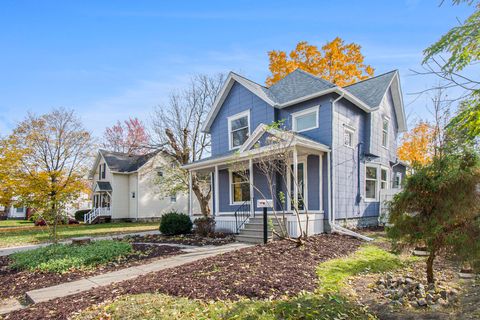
241, 215
96, 212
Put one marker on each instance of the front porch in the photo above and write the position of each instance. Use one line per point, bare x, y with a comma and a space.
293, 176
101, 203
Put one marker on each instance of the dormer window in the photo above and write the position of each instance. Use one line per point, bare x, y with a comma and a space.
305, 120
238, 129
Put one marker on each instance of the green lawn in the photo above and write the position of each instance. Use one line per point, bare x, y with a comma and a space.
34, 235
61, 258
15, 223
326, 303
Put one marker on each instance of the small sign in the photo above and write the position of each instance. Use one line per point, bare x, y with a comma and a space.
265, 203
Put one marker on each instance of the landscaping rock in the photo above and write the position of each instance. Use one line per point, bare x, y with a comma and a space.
81, 240
422, 302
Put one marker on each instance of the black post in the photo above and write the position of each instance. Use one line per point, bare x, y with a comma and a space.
265, 226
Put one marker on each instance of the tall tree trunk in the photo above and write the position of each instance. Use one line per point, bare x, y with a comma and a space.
431, 257
203, 199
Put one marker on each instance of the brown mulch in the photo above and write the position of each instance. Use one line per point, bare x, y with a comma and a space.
188, 239
15, 283
277, 269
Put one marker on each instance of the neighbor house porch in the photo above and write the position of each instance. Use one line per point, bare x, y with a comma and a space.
101, 202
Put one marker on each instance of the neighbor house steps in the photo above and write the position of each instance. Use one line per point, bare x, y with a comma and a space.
252, 231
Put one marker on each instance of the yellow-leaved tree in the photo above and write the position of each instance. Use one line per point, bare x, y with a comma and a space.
417, 145
55, 150
10, 162
337, 62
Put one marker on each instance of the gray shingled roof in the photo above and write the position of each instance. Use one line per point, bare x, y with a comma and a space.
297, 84
123, 162
372, 90
104, 186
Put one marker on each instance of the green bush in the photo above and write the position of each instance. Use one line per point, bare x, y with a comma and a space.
174, 223
61, 258
205, 226
79, 214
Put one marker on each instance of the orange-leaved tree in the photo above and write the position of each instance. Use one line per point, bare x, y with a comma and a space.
417, 146
337, 62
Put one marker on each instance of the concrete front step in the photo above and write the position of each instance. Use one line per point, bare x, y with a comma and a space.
260, 219
249, 232
259, 226
251, 238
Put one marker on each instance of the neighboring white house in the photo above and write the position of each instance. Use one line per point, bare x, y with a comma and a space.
123, 186
15, 212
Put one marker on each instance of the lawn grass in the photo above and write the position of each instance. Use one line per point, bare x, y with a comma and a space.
326, 303
12, 237
61, 258
368, 259
13, 223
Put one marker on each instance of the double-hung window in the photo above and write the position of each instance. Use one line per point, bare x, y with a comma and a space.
371, 183
383, 179
348, 133
239, 187
385, 132
397, 183
238, 129
305, 120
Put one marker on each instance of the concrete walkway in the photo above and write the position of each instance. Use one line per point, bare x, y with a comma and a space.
69, 288
9, 250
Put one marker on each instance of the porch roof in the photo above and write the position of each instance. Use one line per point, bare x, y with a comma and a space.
247, 151
103, 186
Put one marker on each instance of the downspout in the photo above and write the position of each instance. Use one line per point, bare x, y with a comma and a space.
335, 227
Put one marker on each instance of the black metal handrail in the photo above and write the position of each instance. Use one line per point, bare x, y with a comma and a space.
241, 215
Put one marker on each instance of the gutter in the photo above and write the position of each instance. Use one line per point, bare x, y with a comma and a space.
331, 204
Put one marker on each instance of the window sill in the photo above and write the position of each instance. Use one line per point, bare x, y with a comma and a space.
308, 129
370, 200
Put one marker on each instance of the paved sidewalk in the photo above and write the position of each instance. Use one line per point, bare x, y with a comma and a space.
9, 250
69, 288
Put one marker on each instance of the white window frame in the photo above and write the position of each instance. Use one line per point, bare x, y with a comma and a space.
386, 178
399, 176
378, 181
385, 131
235, 117
230, 187
370, 179
302, 113
351, 130
173, 198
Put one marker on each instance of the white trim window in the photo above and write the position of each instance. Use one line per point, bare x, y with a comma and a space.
348, 136
397, 182
238, 129
239, 187
371, 183
383, 179
173, 198
385, 125
305, 120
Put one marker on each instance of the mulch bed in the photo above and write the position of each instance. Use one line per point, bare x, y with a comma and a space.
15, 283
189, 239
277, 269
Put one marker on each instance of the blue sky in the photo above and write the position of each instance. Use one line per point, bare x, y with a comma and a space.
112, 59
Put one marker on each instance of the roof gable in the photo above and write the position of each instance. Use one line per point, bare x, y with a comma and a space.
300, 86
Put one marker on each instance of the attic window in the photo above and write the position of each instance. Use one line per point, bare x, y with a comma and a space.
305, 120
238, 129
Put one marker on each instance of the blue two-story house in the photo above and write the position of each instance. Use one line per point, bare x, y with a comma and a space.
343, 149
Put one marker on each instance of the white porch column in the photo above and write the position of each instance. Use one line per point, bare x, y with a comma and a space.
295, 177
190, 194
320, 178
216, 194
250, 171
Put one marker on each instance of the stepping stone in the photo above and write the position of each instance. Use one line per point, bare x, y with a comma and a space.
10, 305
